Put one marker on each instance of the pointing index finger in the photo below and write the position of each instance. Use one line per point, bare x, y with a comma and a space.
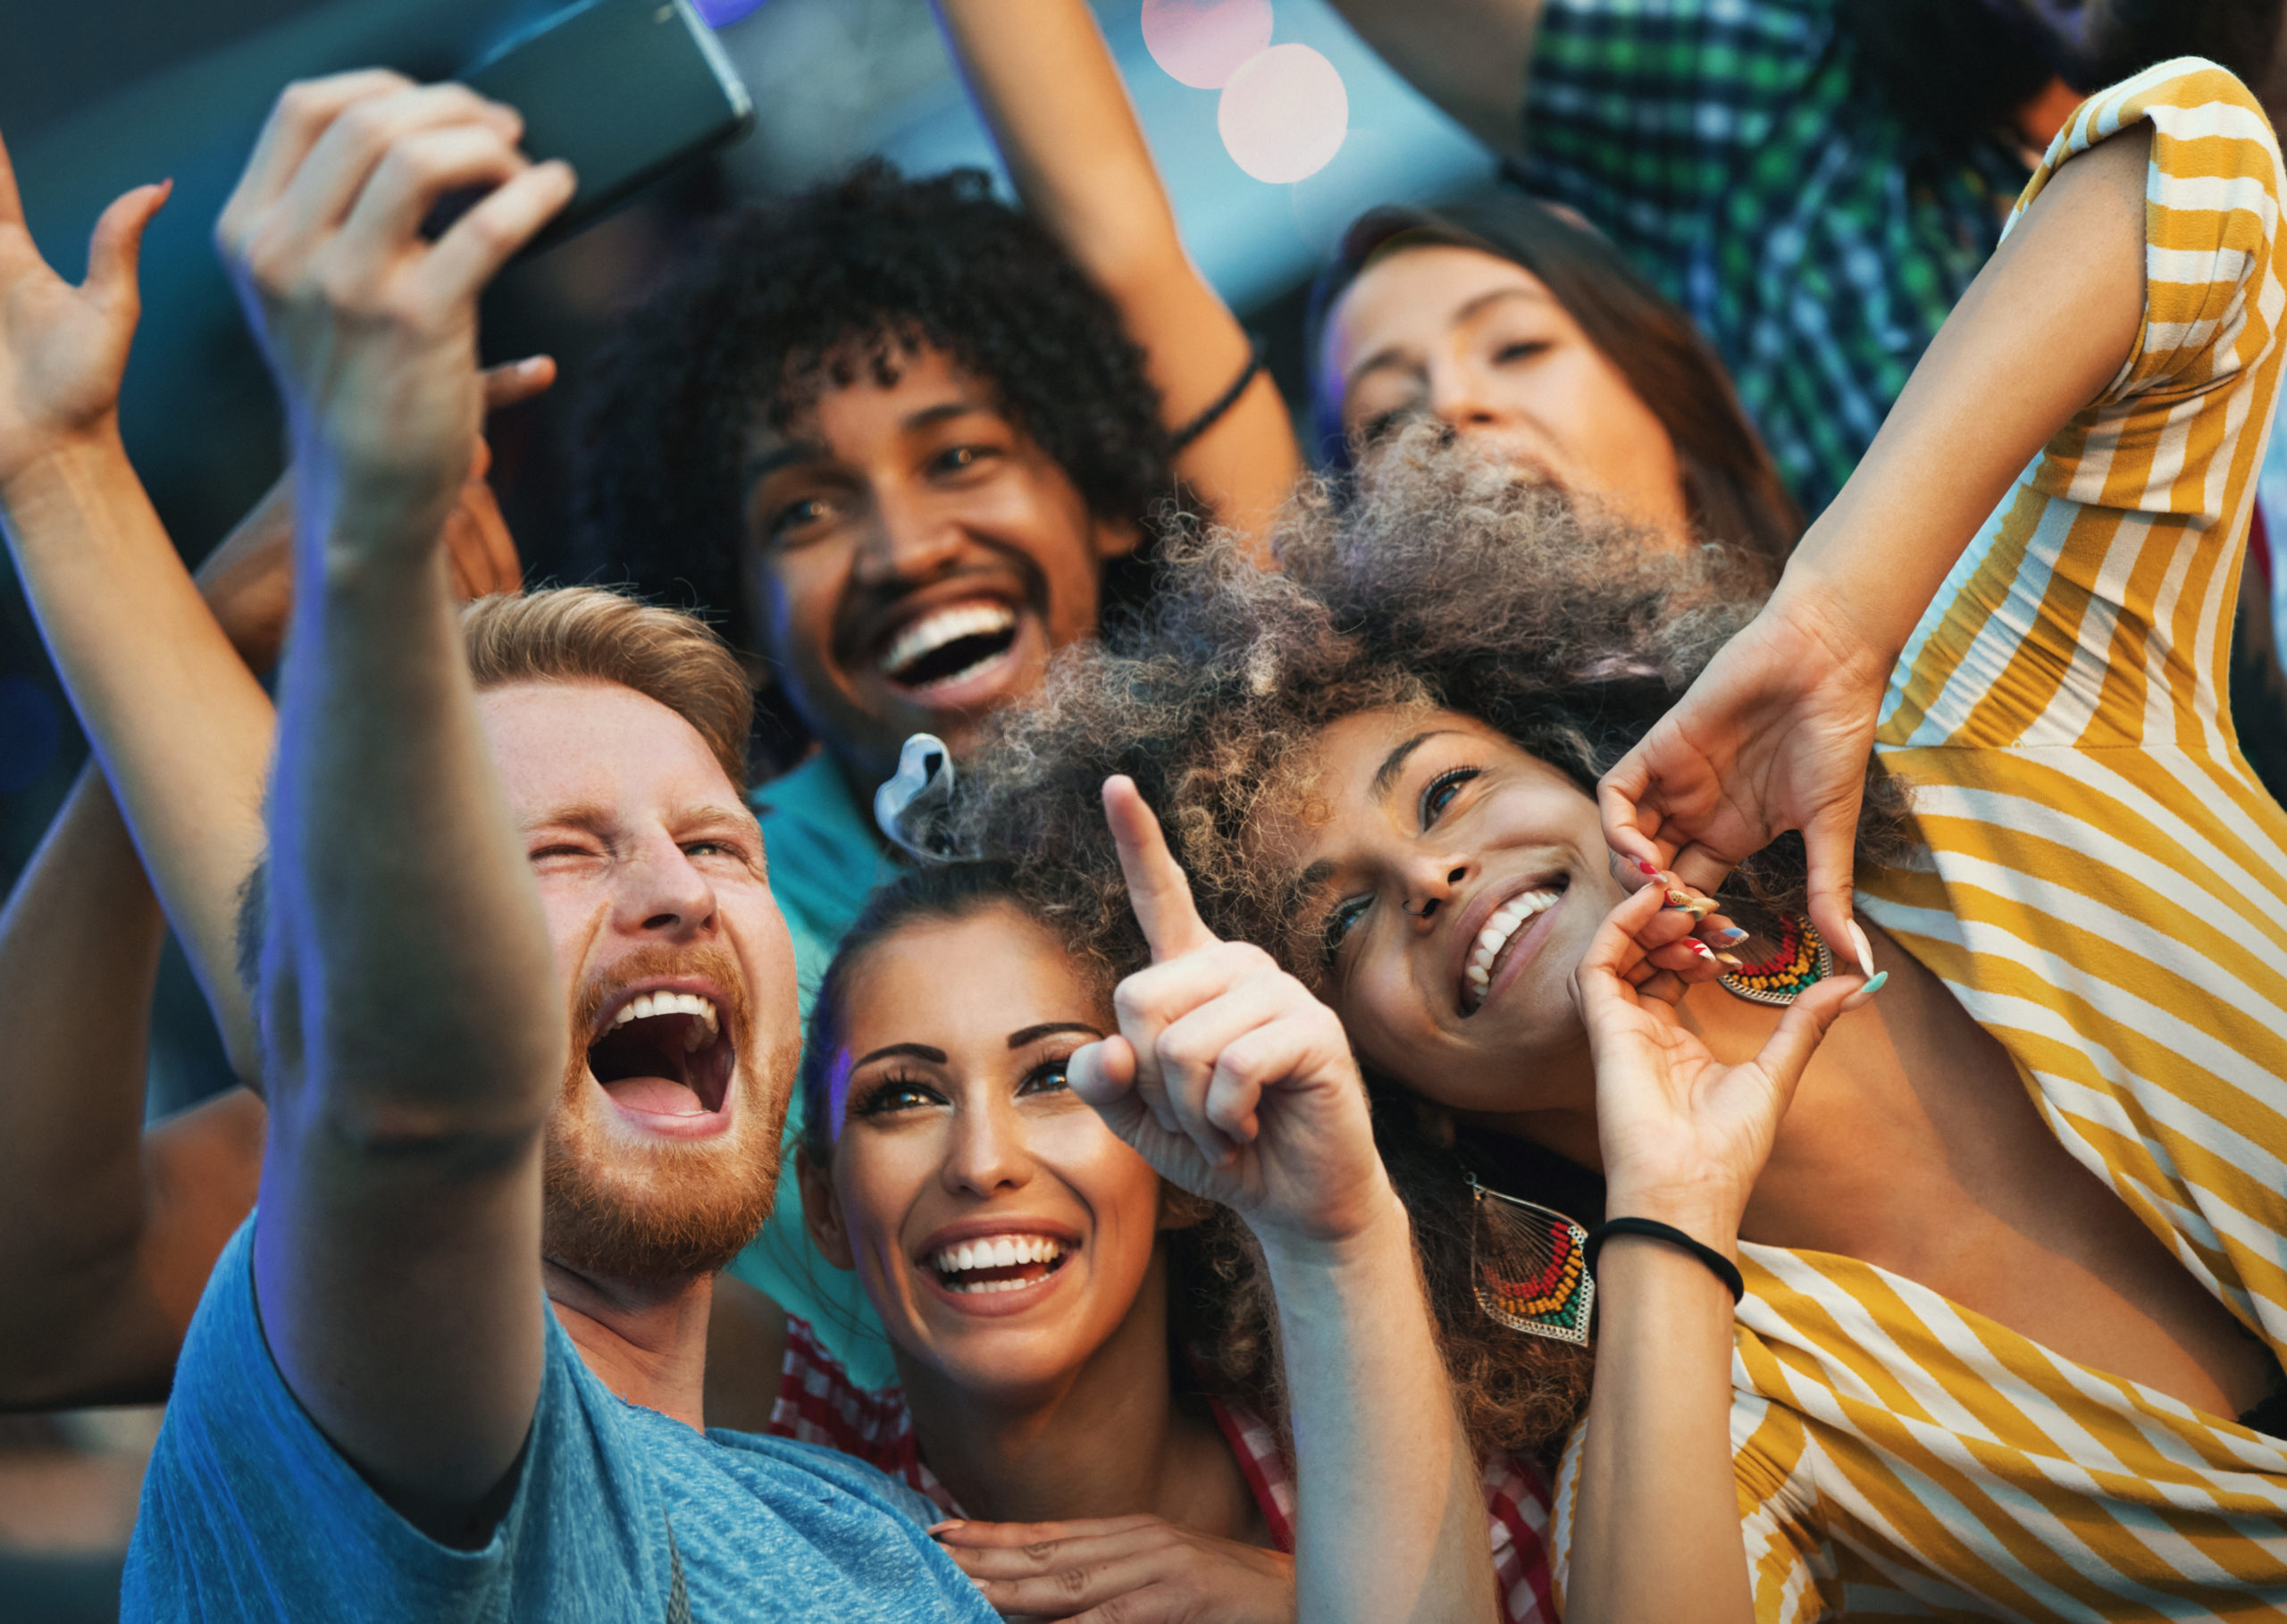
1157, 888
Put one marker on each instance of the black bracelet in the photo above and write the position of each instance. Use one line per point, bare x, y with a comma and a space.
1725, 1270
1258, 355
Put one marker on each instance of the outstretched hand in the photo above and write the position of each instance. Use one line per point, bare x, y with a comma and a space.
63, 350
1226, 1074
1773, 736
1685, 1136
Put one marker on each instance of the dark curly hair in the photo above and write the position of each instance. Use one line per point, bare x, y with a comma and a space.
1441, 581
1220, 1310
797, 297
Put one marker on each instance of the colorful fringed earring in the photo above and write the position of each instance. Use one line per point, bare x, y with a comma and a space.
1802, 961
1528, 1266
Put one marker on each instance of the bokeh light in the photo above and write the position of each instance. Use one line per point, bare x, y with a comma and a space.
1284, 114
1201, 43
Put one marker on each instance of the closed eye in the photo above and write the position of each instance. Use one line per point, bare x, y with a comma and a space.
1524, 349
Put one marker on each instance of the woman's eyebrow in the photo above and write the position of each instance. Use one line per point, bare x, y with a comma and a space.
916, 1051
1024, 1036
1385, 774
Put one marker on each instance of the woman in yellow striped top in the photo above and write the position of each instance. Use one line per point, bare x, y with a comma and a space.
2013, 1235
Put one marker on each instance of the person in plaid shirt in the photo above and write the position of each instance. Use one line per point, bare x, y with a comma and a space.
1814, 181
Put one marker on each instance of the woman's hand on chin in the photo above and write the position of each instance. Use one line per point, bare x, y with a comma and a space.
1685, 1136
1226, 1074
1139, 1569
1773, 736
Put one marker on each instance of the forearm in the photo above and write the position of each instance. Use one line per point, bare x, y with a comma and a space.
1390, 1521
181, 724
1655, 1520
79, 957
1051, 94
424, 980
2040, 334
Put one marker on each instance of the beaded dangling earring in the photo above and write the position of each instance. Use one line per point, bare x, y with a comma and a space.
1528, 1266
1802, 961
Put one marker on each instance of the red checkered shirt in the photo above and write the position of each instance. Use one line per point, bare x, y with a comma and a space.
818, 1403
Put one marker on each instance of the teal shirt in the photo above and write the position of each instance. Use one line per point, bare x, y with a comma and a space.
825, 859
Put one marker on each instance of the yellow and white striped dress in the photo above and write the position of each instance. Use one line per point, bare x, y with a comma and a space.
2107, 895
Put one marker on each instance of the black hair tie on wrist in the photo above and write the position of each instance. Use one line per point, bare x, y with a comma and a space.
1259, 353
1723, 1269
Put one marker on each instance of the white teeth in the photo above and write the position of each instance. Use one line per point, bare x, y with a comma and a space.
643, 1006
995, 1251
1506, 921
933, 630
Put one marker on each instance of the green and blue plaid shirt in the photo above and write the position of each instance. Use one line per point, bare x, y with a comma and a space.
1727, 148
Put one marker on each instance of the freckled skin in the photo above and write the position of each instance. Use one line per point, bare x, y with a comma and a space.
1480, 344
637, 840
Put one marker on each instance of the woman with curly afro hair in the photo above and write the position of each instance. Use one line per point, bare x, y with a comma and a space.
1967, 1299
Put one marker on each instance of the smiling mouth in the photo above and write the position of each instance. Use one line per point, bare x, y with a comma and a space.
666, 1054
949, 645
1500, 934
997, 1263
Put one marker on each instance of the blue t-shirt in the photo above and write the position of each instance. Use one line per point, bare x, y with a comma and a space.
621, 1515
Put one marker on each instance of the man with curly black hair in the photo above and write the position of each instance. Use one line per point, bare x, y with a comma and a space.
894, 431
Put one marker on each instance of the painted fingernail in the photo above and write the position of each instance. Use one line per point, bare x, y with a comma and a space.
1730, 934
1647, 870
1677, 899
1729, 960
1865, 949
1699, 947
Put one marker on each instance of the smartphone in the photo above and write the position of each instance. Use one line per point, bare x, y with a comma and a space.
623, 91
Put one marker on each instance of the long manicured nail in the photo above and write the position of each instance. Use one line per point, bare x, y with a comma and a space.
1864, 948
1866, 991
1699, 947
1730, 936
1648, 870
950, 1523
1729, 960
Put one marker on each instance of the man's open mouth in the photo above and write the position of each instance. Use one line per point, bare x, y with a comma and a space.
667, 1054
998, 1262
949, 644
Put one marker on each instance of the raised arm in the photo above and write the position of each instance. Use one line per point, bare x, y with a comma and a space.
1775, 733
1237, 1084
1051, 92
1468, 57
1655, 1520
412, 1017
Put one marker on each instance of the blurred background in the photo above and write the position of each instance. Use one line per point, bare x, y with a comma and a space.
108, 94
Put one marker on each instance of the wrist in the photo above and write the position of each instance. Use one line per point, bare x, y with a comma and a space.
1707, 1212
1376, 1229
69, 464
1821, 604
